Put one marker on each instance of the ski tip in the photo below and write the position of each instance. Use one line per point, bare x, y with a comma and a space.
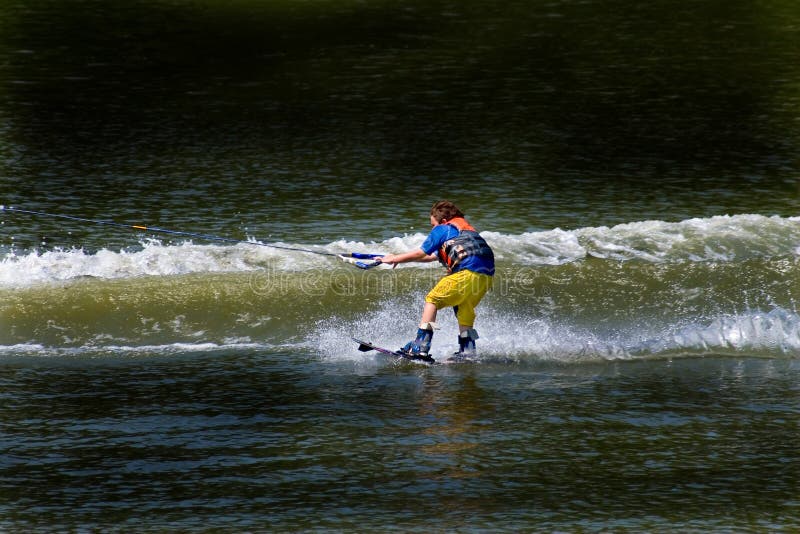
363, 346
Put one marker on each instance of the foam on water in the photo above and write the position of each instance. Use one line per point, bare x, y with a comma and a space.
38, 350
776, 332
721, 238
505, 337
510, 338
154, 259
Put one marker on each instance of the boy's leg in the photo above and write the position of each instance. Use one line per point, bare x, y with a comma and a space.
478, 285
466, 342
428, 313
422, 342
467, 335
438, 297
462, 290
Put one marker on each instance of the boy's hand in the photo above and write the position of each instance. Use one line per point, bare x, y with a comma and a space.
387, 258
411, 255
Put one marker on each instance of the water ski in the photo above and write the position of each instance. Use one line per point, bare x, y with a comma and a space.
365, 346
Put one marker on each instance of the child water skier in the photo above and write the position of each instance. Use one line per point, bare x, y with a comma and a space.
470, 267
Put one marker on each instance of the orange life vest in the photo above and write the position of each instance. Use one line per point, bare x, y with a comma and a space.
468, 242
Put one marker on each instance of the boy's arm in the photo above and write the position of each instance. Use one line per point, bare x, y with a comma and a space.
432, 243
412, 255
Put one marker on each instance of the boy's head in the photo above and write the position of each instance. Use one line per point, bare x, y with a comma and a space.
445, 210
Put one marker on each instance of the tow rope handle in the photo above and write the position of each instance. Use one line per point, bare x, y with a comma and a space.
357, 259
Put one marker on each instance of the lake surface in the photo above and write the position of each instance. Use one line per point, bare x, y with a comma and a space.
634, 168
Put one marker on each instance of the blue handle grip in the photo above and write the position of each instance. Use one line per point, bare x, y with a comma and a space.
364, 256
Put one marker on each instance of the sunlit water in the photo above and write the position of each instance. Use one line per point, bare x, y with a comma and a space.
633, 166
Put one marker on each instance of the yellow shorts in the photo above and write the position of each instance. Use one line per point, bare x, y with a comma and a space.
462, 290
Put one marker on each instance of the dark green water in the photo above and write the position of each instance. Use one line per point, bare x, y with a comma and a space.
634, 167
273, 441
292, 117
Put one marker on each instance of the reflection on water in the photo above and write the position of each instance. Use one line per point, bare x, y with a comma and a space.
284, 441
460, 412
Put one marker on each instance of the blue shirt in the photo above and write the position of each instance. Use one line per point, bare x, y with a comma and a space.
444, 232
